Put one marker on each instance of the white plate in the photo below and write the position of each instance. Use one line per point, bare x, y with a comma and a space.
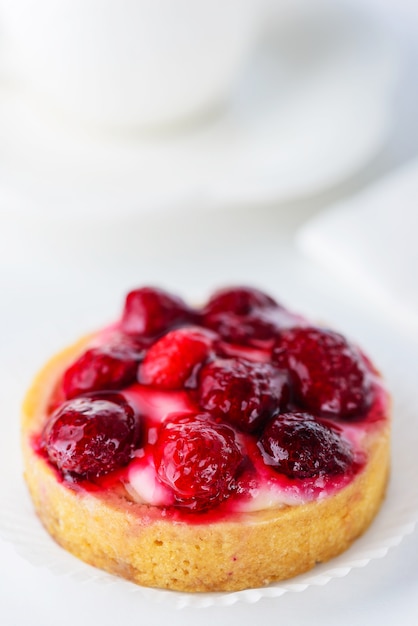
312, 109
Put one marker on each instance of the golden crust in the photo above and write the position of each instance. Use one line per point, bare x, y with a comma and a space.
137, 542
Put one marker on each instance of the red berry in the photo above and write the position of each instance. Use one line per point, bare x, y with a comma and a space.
299, 446
328, 374
172, 362
198, 459
245, 316
150, 311
131, 345
243, 393
108, 367
239, 300
92, 435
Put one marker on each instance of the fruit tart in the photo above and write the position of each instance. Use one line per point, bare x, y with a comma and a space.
207, 449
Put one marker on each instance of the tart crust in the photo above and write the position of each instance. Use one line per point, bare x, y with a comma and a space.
246, 550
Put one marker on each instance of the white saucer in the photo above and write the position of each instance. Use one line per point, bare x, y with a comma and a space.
311, 111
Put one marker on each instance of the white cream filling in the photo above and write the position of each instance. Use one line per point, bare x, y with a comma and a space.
144, 485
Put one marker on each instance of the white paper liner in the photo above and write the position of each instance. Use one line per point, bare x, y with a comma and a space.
396, 519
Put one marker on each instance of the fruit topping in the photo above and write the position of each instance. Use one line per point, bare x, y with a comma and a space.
299, 446
198, 459
220, 393
108, 367
328, 374
243, 393
172, 361
239, 300
150, 311
245, 316
92, 435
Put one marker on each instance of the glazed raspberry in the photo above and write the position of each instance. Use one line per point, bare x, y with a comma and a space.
108, 367
239, 300
243, 393
92, 435
245, 316
172, 362
299, 446
198, 459
328, 374
150, 311
133, 345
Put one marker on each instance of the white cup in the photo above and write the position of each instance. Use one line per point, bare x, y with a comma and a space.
129, 62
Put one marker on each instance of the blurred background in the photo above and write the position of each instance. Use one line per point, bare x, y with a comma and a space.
126, 126
193, 144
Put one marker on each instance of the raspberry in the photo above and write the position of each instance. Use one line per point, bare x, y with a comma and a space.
245, 316
328, 374
243, 393
90, 436
198, 459
239, 300
150, 311
172, 361
108, 367
299, 446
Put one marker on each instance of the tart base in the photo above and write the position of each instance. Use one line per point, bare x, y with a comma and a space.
247, 550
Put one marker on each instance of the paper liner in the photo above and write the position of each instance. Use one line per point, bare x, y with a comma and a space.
396, 519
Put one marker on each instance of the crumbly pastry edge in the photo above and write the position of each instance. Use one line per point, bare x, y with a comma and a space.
139, 543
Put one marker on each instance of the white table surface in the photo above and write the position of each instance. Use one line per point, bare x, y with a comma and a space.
64, 279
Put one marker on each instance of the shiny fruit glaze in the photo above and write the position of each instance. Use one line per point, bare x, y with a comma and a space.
329, 375
300, 446
198, 459
92, 435
235, 406
243, 393
246, 316
149, 311
171, 362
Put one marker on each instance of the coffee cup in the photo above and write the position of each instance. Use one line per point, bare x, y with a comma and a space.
142, 63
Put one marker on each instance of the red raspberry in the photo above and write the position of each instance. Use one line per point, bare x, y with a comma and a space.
150, 311
172, 362
299, 446
108, 367
243, 393
90, 436
198, 459
328, 374
245, 316
239, 300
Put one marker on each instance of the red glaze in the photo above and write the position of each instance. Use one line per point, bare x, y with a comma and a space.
246, 316
198, 459
172, 362
151, 311
242, 393
98, 369
329, 375
92, 435
299, 446
222, 418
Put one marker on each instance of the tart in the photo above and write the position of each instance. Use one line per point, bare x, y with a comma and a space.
207, 449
